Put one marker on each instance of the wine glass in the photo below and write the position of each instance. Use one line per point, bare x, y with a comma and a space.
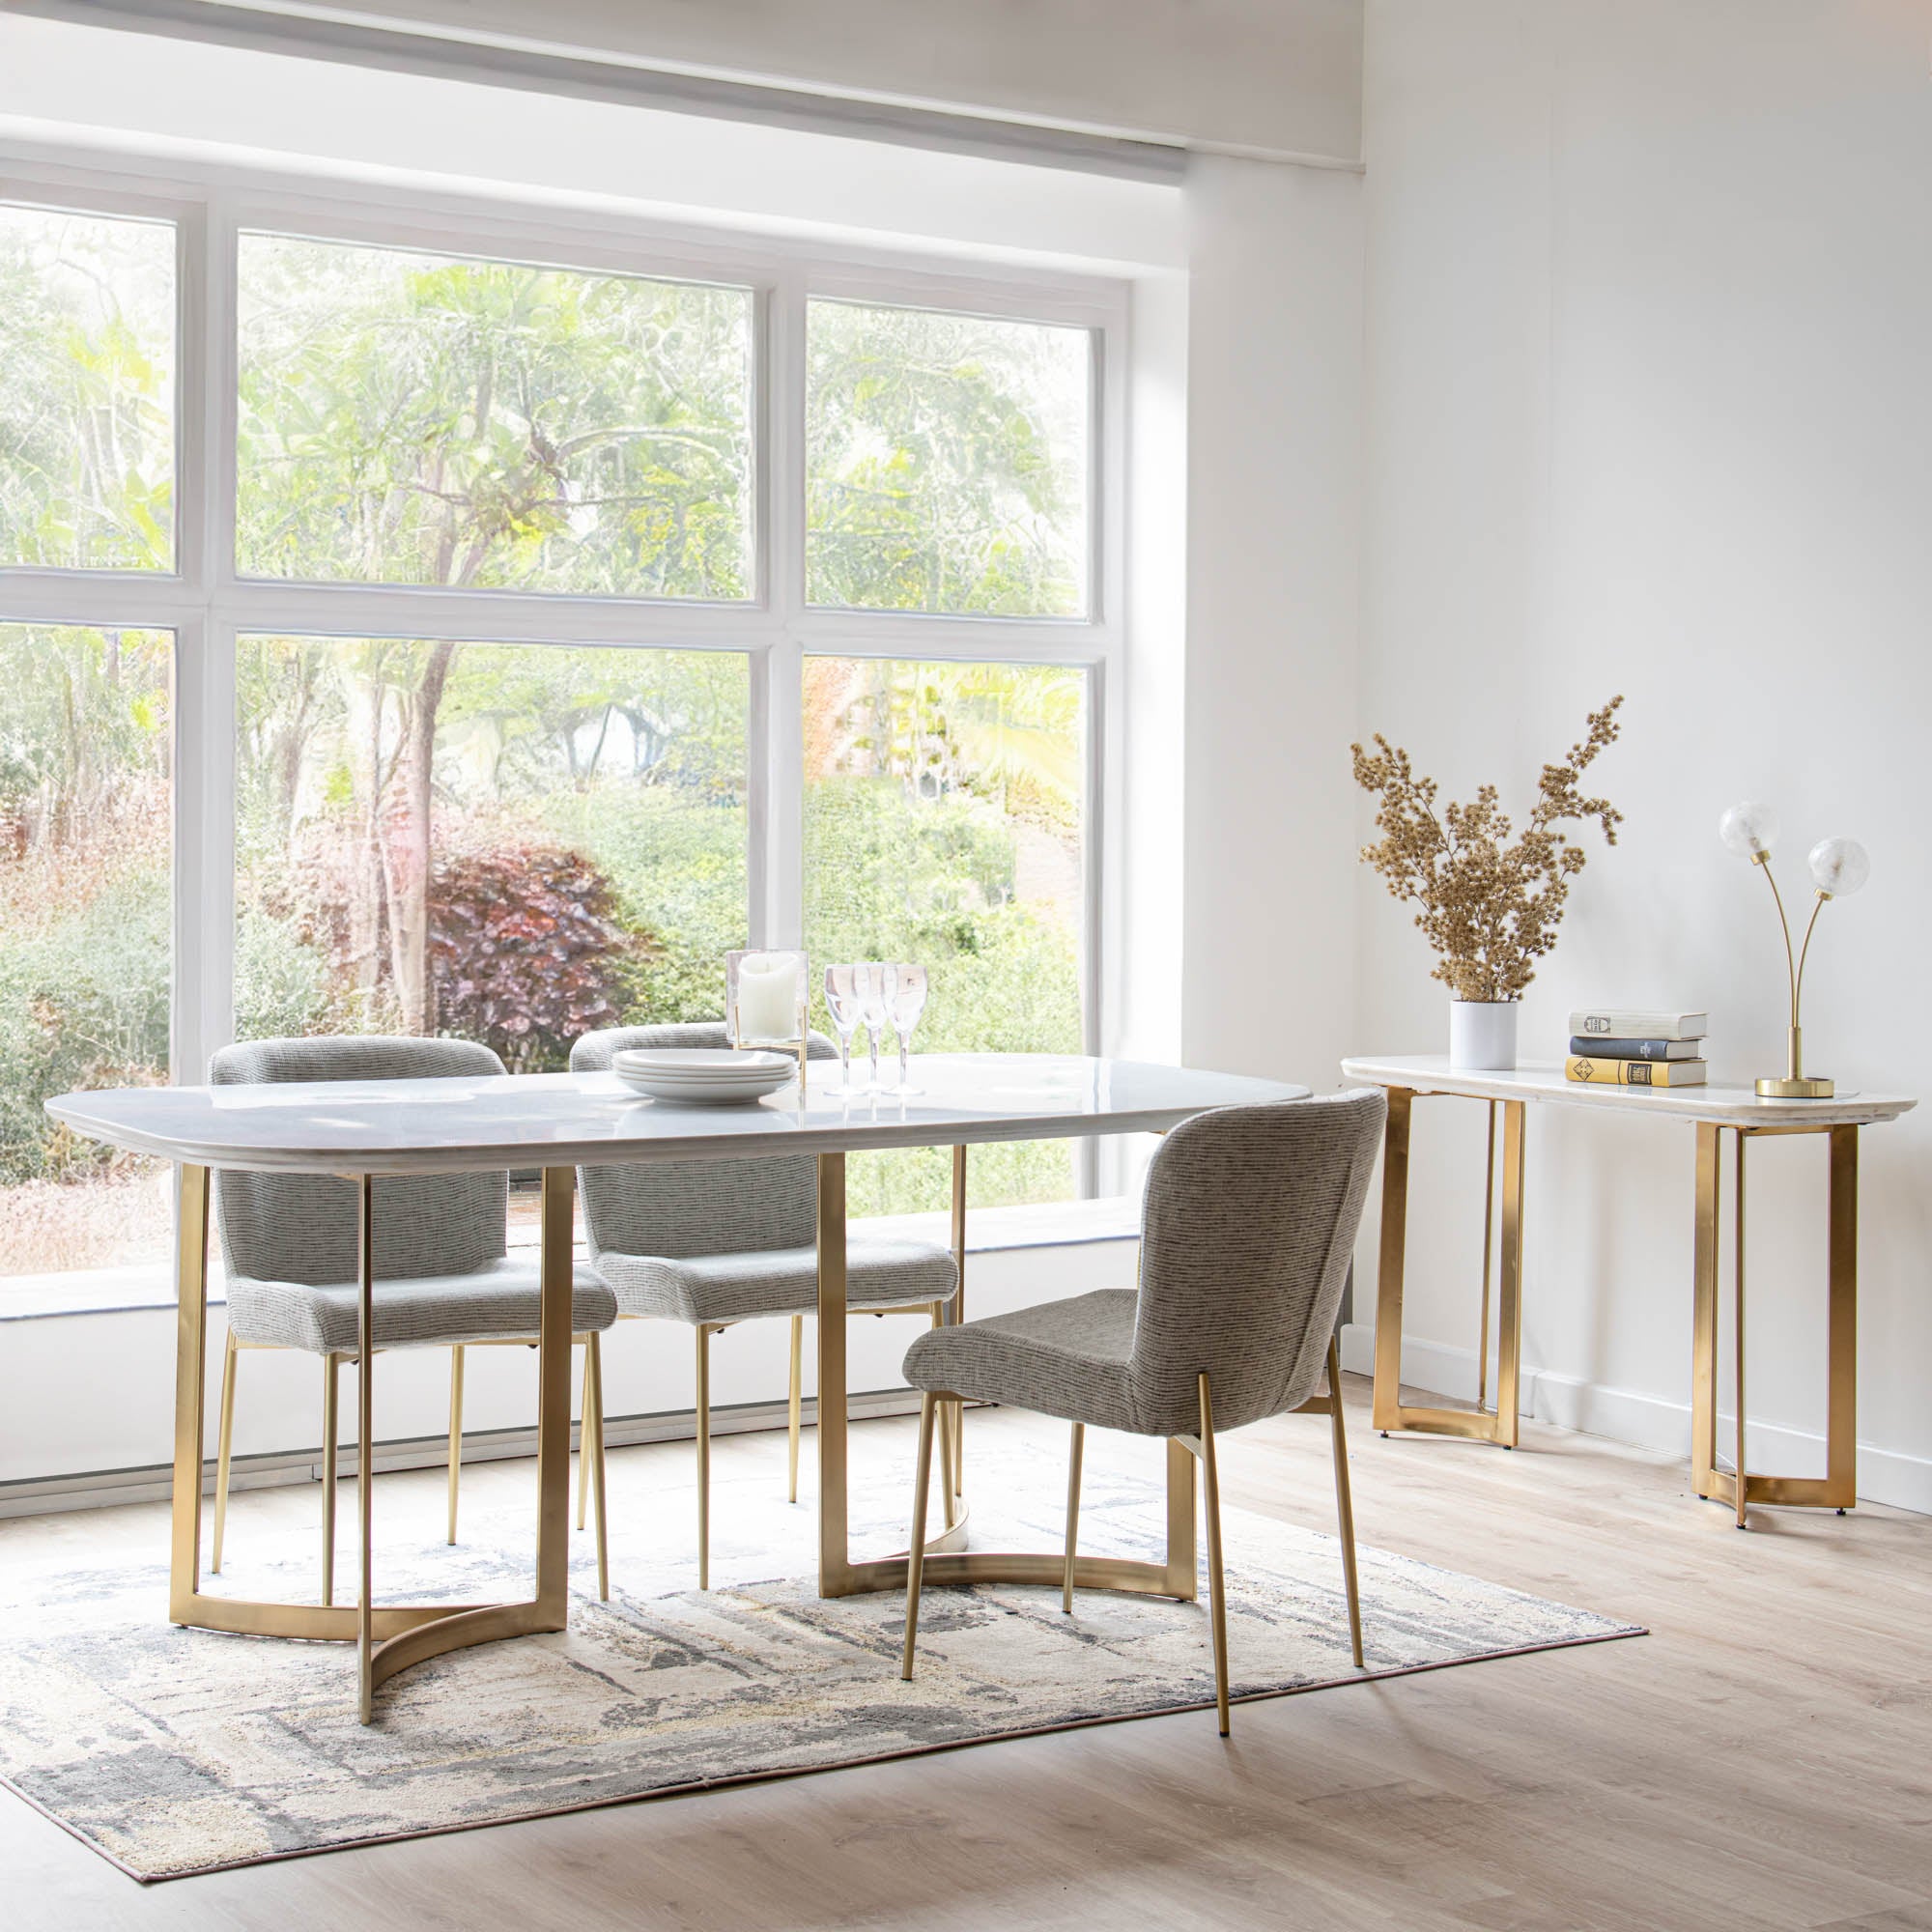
906, 994
844, 1002
873, 1008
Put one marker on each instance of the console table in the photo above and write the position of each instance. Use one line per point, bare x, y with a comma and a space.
1713, 1111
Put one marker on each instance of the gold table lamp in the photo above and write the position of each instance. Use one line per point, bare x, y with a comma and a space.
1839, 866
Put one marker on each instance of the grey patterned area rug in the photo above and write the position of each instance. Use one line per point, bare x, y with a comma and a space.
173, 1751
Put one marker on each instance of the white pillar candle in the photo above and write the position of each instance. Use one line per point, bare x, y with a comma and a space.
768, 996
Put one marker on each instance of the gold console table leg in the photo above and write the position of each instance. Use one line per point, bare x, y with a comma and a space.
1391, 1413
1838, 1487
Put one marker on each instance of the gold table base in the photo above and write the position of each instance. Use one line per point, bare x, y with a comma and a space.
1836, 1489
394, 1636
389, 1636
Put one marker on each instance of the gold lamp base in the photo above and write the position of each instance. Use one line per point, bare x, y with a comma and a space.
1794, 1089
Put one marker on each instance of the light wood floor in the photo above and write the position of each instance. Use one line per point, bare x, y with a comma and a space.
1764, 1759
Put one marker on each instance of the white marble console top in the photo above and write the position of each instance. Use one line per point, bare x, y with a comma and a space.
564, 1119
1544, 1080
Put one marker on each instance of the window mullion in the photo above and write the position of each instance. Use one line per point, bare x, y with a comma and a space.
204, 915
507, 616
216, 409
204, 999
194, 442
783, 666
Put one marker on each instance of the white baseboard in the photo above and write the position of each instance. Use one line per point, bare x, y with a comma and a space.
1643, 1421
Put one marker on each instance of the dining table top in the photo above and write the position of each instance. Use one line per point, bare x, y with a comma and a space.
568, 1120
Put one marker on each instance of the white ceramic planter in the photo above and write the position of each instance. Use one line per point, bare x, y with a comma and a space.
1482, 1034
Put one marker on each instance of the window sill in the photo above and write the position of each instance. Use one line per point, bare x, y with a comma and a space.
1052, 1224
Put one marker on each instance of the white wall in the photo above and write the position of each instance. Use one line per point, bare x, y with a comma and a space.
1277, 74
1274, 437
1649, 301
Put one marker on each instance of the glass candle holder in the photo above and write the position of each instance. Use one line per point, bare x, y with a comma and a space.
765, 994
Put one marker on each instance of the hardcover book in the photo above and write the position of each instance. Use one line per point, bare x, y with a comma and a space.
1636, 1049
1605, 1072
1637, 1023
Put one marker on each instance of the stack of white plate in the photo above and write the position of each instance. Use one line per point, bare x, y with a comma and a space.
708, 1076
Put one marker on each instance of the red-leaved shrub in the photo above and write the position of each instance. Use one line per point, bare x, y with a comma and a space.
526, 951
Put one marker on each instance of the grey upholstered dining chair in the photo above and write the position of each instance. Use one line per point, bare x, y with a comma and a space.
1247, 1225
444, 1276
715, 1242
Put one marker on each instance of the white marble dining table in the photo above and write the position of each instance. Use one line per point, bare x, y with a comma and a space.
555, 1123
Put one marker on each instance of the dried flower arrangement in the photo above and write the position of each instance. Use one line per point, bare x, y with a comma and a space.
1488, 906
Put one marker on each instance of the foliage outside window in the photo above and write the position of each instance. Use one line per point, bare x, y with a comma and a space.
86, 392
944, 824
946, 462
416, 420
85, 905
512, 843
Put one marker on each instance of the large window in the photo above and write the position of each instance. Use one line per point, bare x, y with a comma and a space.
475, 621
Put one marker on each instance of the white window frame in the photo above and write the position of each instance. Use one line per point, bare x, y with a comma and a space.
208, 606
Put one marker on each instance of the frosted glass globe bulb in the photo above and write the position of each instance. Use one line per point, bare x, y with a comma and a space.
1839, 866
1749, 828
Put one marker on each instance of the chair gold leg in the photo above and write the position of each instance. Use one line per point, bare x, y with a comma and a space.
796, 1398
1217, 1589
331, 1455
593, 1420
704, 1456
1072, 1513
455, 1432
916, 1555
224, 1452
1345, 1506
949, 1440
365, 1464
584, 1445
949, 1496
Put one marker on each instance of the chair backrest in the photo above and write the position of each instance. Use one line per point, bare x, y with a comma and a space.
680, 1209
301, 1226
1247, 1227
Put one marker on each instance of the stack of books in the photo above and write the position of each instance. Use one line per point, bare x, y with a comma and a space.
1636, 1046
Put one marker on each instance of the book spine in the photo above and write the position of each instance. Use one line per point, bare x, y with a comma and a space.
1606, 1072
1628, 1049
